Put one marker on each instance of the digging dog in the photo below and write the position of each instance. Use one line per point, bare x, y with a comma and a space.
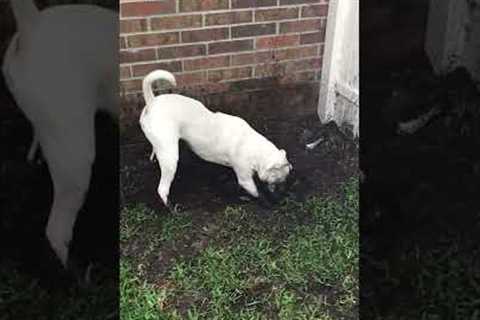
73, 46
214, 136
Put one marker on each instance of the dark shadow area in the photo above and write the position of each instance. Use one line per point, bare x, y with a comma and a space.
420, 211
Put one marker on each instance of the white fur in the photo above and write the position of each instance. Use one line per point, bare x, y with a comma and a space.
59, 67
216, 137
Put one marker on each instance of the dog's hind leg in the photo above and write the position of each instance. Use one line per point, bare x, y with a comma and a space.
70, 158
167, 156
69, 194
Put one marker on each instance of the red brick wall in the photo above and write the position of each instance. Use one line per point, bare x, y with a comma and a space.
212, 45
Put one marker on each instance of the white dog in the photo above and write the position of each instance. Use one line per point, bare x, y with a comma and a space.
60, 70
216, 137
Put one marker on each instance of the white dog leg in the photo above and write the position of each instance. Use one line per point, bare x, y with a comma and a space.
69, 153
168, 165
245, 180
69, 196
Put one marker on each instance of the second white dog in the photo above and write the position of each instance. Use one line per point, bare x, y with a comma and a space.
214, 136
59, 68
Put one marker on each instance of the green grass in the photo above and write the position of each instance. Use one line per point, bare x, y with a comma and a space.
298, 262
140, 220
449, 282
22, 297
444, 278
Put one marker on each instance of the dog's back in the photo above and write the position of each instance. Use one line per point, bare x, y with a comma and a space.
54, 42
175, 111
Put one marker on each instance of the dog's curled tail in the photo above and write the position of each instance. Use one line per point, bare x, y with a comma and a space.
25, 13
151, 78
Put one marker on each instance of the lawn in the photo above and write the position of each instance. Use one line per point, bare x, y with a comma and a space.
298, 261
24, 297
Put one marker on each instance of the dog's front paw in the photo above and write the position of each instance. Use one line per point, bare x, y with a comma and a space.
152, 157
175, 208
32, 159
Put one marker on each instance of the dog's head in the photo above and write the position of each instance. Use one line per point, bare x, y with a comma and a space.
276, 170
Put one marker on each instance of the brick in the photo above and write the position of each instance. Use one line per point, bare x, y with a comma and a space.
305, 76
270, 70
252, 58
230, 46
176, 22
295, 53
214, 87
147, 8
229, 74
304, 65
300, 26
250, 84
315, 37
202, 5
200, 90
154, 39
287, 2
188, 79
254, 30
137, 55
315, 11
143, 69
282, 69
277, 42
123, 42
125, 72
133, 25
276, 14
276, 55
205, 35
182, 51
229, 18
320, 51
131, 85
253, 3
206, 63
243, 59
